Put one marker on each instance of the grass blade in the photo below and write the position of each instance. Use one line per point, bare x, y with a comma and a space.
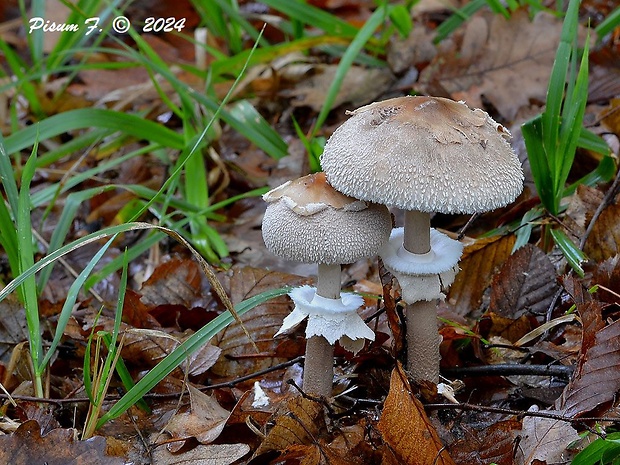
574, 256
364, 34
178, 355
94, 117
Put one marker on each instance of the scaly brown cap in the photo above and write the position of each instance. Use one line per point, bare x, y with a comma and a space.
428, 154
308, 221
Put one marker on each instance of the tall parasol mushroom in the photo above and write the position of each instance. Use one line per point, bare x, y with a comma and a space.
423, 155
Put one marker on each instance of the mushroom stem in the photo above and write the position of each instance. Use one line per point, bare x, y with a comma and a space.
319, 362
328, 281
417, 237
318, 367
423, 341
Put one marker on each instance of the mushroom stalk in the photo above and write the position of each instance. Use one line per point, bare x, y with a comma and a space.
328, 281
319, 360
417, 237
423, 341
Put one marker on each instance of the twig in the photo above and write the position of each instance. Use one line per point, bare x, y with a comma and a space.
77, 400
507, 369
521, 413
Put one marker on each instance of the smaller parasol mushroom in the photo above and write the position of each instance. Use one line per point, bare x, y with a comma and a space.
308, 221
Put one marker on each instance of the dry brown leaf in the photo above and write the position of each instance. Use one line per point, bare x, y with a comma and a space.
360, 86
238, 356
58, 447
406, 429
13, 327
507, 328
607, 274
204, 421
494, 444
581, 207
497, 56
544, 439
478, 264
212, 454
604, 240
299, 423
526, 284
175, 282
596, 382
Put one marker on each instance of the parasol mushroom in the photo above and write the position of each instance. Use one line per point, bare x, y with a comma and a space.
308, 221
423, 155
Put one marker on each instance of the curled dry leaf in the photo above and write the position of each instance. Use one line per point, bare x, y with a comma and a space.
58, 447
478, 264
204, 420
607, 275
526, 284
406, 430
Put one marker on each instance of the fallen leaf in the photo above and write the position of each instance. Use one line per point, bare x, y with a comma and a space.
604, 240
526, 284
13, 327
204, 420
177, 281
494, 444
506, 328
544, 439
238, 356
58, 447
478, 264
212, 454
405, 428
299, 422
607, 275
496, 56
596, 382
360, 86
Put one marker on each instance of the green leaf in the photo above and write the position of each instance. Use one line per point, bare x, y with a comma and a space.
93, 117
601, 451
608, 24
574, 256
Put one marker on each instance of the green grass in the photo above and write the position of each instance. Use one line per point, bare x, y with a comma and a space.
552, 138
602, 451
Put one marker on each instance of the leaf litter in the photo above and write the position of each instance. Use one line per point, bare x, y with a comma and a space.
377, 415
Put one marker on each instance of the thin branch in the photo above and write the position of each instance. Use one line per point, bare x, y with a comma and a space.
508, 369
521, 413
77, 400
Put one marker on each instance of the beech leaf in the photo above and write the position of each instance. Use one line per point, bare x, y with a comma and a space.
405, 427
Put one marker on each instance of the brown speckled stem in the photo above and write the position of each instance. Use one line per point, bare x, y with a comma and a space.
319, 364
422, 334
423, 341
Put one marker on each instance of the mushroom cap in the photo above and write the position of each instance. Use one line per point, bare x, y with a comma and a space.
305, 225
429, 154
